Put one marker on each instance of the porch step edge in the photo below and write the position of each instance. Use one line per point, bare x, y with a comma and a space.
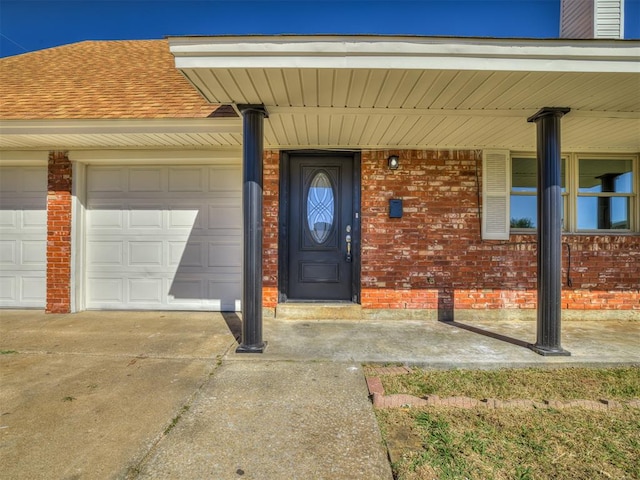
318, 311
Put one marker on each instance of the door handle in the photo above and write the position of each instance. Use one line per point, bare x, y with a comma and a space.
348, 257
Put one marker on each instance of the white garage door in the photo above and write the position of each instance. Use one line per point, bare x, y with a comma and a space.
23, 236
166, 238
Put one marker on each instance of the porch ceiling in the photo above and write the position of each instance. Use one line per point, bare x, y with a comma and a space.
413, 92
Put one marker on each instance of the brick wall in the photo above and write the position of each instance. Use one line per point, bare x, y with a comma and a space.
434, 257
59, 234
605, 272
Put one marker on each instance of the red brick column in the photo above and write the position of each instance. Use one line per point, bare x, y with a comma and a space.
270, 205
59, 234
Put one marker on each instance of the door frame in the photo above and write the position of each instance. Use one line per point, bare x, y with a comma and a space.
283, 218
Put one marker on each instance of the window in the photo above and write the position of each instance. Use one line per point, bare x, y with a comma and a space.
603, 196
605, 193
524, 186
600, 193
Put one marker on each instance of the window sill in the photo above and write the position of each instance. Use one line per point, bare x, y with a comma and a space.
613, 233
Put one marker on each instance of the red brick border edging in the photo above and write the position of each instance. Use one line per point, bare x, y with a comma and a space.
380, 400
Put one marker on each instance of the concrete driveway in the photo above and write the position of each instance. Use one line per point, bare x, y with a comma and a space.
164, 395
100, 395
88, 395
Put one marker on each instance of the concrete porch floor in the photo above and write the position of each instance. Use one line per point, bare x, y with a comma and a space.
164, 395
433, 344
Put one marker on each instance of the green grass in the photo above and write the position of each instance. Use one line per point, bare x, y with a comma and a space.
508, 444
526, 444
7, 352
621, 383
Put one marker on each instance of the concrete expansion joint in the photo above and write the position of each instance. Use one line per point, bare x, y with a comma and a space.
138, 463
142, 356
382, 401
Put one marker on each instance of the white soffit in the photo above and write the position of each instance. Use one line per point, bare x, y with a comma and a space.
373, 131
415, 92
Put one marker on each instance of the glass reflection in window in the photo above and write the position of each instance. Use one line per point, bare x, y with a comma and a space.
524, 185
606, 213
600, 176
596, 209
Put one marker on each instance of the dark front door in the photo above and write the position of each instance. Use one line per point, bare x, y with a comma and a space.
321, 230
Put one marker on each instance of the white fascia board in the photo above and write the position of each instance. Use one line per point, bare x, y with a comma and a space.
415, 63
226, 155
531, 147
24, 157
406, 53
115, 126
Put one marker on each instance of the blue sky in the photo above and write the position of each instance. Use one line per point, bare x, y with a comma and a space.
27, 25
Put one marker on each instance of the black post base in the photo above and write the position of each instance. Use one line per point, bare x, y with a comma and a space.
549, 351
259, 348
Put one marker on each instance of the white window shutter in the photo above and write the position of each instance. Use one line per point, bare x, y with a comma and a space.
496, 186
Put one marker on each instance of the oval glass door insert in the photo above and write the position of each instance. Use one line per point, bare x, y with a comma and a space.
320, 207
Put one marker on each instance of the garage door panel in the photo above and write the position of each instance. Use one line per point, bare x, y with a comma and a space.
105, 292
34, 253
34, 218
8, 218
33, 289
224, 254
185, 180
224, 179
166, 247
143, 179
11, 180
8, 289
27, 216
224, 217
34, 181
106, 179
8, 253
23, 231
185, 217
145, 216
189, 254
217, 294
25, 254
23, 180
145, 290
185, 289
201, 272
106, 217
20, 290
225, 294
105, 253
143, 253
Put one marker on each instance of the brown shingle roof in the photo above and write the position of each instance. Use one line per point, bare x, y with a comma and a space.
91, 80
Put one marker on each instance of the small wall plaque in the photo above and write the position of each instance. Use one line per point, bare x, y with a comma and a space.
395, 208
